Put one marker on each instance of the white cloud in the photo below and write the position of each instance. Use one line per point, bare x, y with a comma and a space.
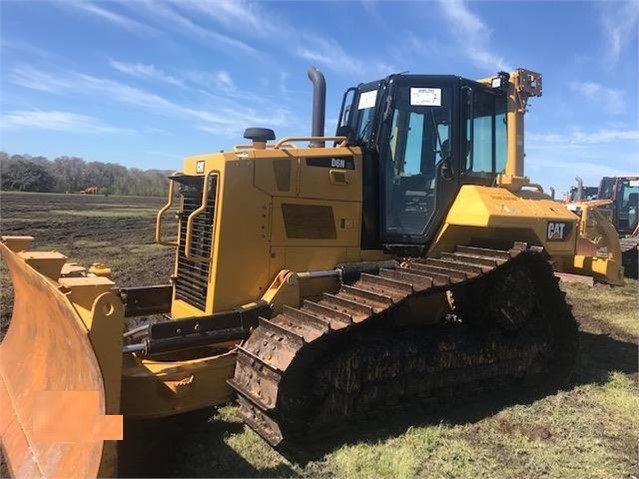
472, 35
218, 80
57, 121
328, 53
112, 17
610, 99
120, 92
620, 26
29, 77
255, 20
224, 79
142, 70
235, 14
580, 139
229, 115
166, 12
591, 171
30, 50
556, 158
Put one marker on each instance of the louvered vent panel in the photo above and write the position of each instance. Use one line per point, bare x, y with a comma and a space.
192, 279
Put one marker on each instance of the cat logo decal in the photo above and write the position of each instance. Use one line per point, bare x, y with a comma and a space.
558, 230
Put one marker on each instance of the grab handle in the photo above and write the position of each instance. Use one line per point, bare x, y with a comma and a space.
159, 218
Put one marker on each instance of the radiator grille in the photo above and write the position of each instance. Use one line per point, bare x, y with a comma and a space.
192, 281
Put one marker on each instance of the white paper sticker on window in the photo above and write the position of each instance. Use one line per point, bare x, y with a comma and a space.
426, 96
367, 100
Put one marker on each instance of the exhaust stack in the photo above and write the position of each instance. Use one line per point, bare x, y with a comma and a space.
580, 188
319, 105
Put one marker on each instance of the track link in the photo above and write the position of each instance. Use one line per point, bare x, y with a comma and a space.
310, 369
630, 255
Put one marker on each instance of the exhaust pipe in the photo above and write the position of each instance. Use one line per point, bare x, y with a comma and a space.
319, 105
580, 188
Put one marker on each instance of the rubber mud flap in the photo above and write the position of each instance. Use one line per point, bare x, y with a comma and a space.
46, 350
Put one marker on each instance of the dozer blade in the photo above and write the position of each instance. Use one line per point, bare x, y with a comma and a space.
52, 391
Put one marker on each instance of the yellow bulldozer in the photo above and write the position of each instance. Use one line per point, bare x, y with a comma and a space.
617, 200
316, 278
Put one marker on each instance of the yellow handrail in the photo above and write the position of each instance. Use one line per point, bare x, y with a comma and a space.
189, 223
165, 208
279, 144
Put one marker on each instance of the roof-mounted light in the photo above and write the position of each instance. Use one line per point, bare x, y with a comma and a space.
500, 81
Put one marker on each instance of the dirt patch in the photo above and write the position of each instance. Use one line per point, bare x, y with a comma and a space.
118, 231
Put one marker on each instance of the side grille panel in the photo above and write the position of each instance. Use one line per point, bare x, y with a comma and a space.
309, 221
191, 284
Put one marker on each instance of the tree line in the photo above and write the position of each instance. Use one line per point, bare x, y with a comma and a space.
69, 174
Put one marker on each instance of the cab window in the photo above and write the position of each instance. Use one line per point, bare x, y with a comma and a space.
486, 131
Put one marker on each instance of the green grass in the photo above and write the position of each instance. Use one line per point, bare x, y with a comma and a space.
616, 307
570, 434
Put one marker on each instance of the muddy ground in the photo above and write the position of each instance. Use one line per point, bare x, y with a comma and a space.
119, 231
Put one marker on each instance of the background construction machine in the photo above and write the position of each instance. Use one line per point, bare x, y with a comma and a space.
617, 199
409, 258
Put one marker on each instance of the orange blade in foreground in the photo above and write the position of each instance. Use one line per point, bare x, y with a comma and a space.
47, 349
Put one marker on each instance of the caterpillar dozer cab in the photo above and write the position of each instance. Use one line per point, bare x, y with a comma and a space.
316, 278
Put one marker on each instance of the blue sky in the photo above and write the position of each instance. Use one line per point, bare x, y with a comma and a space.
145, 83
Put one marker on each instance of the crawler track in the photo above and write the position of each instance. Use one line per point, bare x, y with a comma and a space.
310, 369
630, 255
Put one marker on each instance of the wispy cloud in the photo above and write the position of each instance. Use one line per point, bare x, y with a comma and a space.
166, 12
590, 154
257, 21
580, 139
29, 77
121, 92
619, 21
610, 99
250, 17
328, 53
229, 117
141, 70
224, 79
57, 121
115, 18
472, 35
590, 171
219, 80
27, 49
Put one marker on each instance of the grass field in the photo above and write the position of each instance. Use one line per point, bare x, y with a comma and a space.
588, 428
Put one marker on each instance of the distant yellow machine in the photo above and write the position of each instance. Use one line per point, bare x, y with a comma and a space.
614, 203
407, 256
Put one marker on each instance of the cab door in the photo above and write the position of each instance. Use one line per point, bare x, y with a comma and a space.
417, 146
